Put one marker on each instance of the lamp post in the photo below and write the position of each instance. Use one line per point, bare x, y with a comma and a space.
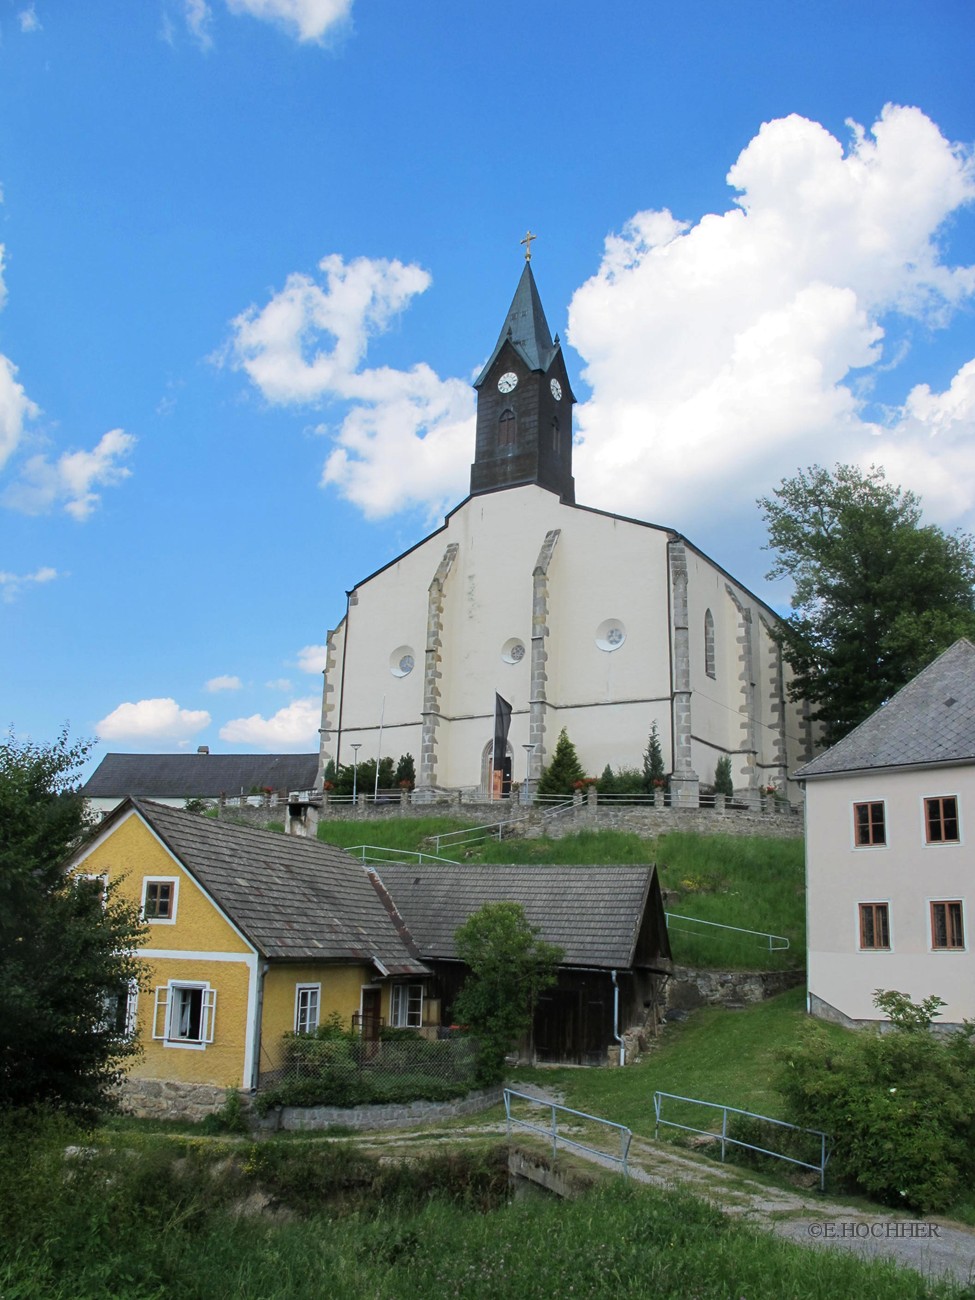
355, 747
529, 750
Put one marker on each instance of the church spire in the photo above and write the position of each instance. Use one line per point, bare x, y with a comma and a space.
524, 402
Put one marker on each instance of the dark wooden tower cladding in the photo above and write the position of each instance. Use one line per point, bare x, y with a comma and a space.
524, 429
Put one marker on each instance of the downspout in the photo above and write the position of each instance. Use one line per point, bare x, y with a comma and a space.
259, 1017
616, 1019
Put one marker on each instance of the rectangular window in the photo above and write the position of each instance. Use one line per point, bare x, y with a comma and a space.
159, 899
406, 1006
307, 998
120, 1009
941, 819
874, 925
868, 824
947, 927
184, 1014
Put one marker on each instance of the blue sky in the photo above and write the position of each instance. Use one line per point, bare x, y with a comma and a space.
254, 251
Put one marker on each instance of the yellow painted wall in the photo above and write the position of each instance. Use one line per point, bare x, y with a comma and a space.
127, 855
341, 987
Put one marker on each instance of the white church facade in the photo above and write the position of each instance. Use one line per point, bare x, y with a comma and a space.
580, 619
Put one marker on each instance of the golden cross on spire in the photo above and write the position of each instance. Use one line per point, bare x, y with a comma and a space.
527, 241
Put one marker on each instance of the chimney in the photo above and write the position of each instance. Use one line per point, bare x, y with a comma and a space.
203, 749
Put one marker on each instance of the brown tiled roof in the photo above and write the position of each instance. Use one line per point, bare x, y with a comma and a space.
593, 913
295, 899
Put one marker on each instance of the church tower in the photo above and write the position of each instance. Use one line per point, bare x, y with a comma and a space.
524, 404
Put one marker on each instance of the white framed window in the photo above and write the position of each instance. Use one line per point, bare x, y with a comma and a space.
184, 1014
160, 895
941, 822
874, 927
870, 824
406, 1006
121, 1006
307, 1004
947, 926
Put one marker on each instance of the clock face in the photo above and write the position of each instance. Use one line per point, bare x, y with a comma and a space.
508, 382
556, 388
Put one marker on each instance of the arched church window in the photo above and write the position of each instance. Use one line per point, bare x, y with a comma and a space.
709, 643
555, 434
507, 428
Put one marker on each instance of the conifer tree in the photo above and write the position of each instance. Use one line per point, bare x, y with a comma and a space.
564, 770
654, 772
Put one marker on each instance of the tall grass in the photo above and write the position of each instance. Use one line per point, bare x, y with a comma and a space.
163, 1220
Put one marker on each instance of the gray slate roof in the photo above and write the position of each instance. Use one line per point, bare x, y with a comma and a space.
593, 913
930, 720
294, 899
200, 776
530, 334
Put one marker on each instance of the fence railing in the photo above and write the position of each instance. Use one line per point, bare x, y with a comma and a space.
776, 942
551, 1131
376, 1055
726, 1139
382, 853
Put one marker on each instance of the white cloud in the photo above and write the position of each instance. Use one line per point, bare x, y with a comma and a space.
12, 584
295, 727
71, 481
311, 658
279, 684
28, 19
407, 438
199, 17
15, 408
224, 683
308, 20
161, 719
724, 354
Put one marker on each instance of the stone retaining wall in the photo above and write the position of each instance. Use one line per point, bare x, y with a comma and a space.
166, 1099
401, 1115
689, 988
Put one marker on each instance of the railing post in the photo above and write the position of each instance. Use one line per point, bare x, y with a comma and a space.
555, 1134
724, 1130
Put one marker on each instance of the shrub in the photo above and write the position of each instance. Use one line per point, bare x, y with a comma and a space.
900, 1105
564, 771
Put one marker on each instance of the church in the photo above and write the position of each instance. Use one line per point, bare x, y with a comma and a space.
578, 618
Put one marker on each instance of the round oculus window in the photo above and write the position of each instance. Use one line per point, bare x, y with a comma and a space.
513, 651
402, 661
610, 635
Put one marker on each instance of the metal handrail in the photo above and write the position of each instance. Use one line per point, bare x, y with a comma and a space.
552, 1131
366, 852
658, 1098
497, 828
780, 946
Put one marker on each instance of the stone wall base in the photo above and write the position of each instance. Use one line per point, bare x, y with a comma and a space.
167, 1099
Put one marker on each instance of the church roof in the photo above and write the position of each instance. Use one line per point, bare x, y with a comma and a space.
594, 913
930, 720
198, 776
295, 899
528, 329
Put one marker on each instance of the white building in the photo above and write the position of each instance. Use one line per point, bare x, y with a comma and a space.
888, 870
579, 618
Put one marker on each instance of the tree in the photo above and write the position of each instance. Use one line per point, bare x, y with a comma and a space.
723, 783
654, 774
508, 967
405, 771
67, 944
564, 770
877, 594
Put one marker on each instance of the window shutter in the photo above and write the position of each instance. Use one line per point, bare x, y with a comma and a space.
159, 1012
208, 1015
131, 1007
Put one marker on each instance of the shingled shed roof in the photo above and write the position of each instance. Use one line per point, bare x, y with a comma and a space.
930, 720
595, 914
198, 776
294, 899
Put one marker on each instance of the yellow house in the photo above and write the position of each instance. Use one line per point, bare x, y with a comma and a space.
251, 934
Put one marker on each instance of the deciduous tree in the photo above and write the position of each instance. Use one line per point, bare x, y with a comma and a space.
67, 944
877, 594
508, 966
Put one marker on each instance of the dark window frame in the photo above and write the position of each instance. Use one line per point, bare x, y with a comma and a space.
941, 823
874, 925
870, 824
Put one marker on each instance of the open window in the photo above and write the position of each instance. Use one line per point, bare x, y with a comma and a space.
184, 1014
406, 1006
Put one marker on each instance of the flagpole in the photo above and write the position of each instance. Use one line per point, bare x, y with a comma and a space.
379, 749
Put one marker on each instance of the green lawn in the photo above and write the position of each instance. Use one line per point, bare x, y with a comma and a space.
729, 1057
